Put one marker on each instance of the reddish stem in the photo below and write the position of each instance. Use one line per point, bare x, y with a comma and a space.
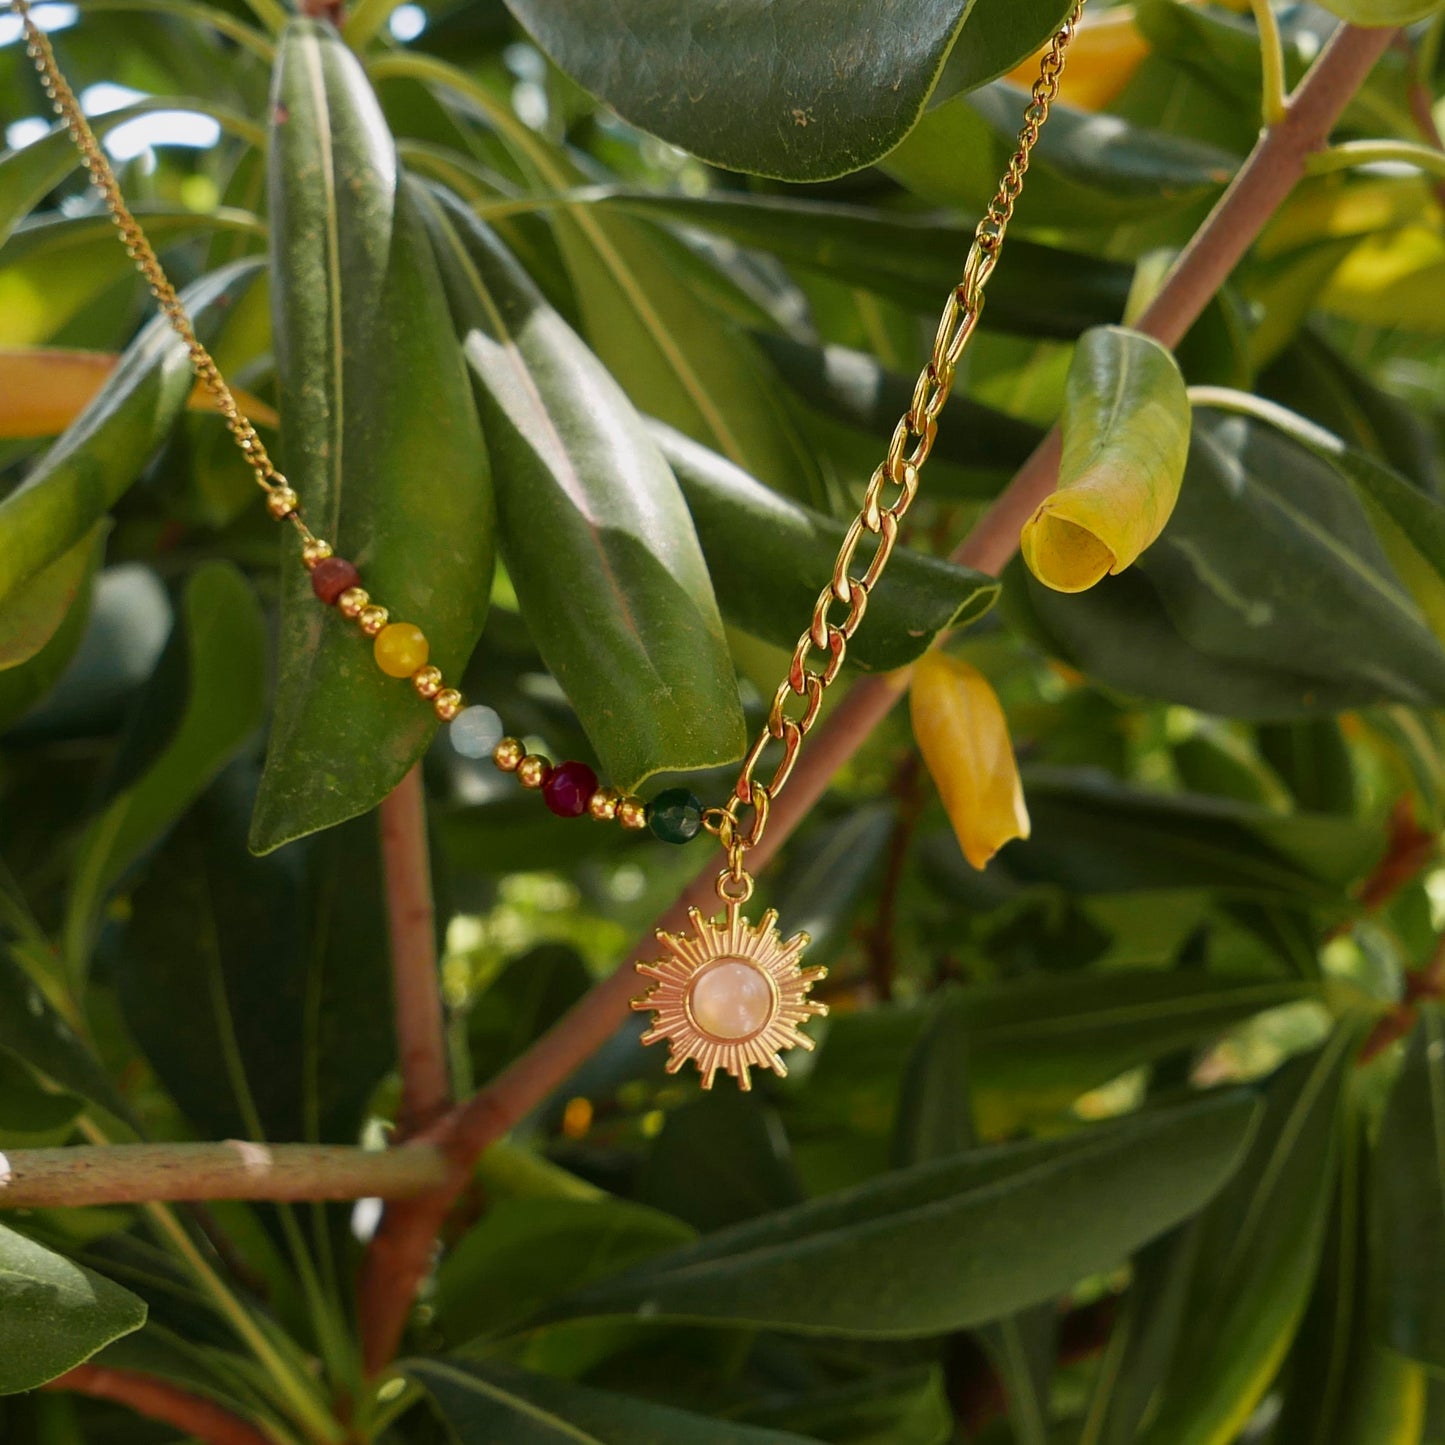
401, 1252
411, 920
192, 1415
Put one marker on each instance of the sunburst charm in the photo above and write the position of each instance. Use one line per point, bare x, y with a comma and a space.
730, 996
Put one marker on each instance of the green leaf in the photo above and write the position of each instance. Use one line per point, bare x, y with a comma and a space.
948, 1245
911, 259
486, 1403
770, 558
909, 1407
54, 1314
258, 988
214, 671
1126, 441
1258, 1250
1088, 169
526, 1252
1408, 1224
381, 441
40, 611
33, 1031
1095, 835
1308, 616
596, 535
92, 464
782, 90
530, 994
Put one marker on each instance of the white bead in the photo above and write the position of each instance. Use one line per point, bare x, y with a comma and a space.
731, 1000
475, 731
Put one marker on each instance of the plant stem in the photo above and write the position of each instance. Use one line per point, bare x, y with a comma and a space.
1272, 58
401, 1251
148, 1173
420, 1031
192, 1415
1370, 152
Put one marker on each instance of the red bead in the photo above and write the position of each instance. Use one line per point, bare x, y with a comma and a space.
331, 577
570, 789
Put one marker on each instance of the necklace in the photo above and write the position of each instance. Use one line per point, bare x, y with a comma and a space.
729, 995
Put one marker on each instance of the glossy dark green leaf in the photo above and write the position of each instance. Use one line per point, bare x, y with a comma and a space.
258, 987
210, 689
1094, 835
909, 1407
1408, 1224
770, 558
1311, 615
54, 1313
782, 90
948, 1245
526, 1252
914, 260
1259, 1247
1088, 169
1312, 760
486, 1403
850, 390
381, 441
34, 1032
90, 467
598, 542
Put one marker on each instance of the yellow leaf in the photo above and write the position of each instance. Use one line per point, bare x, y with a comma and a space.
1126, 440
43, 389
963, 735
1102, 60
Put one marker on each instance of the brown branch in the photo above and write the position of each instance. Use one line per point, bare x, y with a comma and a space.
416, 987
400, 1254
192, 1415
880, 940
235, 1169
1422, 985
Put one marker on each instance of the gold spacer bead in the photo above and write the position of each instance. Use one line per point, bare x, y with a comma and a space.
372, 619
447, 703
632, 814
315, 551
603, 804
508, 754
427, 681
281, 502
351, 602
533, 771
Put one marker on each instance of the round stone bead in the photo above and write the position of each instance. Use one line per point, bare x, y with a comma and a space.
400, 649
731, 1000
675, 816
476, 731
332, 576
569, 789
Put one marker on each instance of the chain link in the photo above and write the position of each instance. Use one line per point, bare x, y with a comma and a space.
139, 249
821, 650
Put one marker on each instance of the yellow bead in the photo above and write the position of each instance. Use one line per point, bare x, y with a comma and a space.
632, 814
427, 681
372, 619
533, 771
508, 755
281, 502
400, 649
351, 602
603, 804
447, 703
315, 551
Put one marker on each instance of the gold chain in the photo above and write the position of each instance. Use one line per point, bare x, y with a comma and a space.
912, 441
139, 249
908, 450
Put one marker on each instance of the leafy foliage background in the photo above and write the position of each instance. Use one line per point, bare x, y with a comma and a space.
587, 379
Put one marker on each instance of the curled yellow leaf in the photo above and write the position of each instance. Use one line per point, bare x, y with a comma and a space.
44, 388
962, 733
1126, 441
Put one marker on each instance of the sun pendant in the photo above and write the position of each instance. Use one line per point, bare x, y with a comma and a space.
730, 996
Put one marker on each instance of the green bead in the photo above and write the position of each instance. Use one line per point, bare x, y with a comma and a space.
675, 816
